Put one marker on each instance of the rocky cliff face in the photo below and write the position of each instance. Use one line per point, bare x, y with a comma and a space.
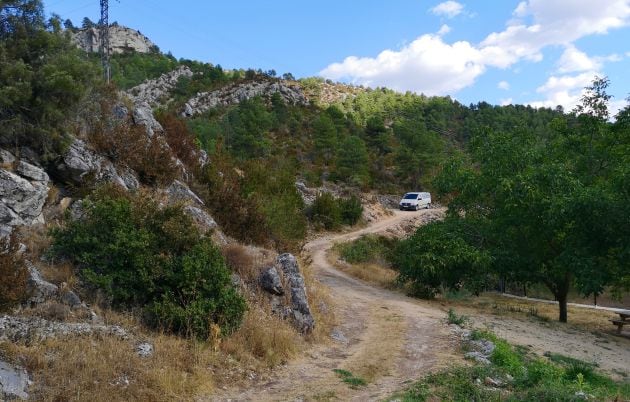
121, 39
23, 191
236, 93
157, 92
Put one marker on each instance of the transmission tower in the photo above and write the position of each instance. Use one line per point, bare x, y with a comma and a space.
104, 38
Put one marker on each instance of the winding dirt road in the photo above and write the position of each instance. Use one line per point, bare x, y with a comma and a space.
383, 337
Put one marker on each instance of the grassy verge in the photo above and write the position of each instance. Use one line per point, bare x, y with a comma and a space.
366, 258
514, 374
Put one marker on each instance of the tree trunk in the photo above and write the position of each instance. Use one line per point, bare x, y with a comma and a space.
562, 303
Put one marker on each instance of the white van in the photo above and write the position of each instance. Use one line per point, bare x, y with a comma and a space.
415, 201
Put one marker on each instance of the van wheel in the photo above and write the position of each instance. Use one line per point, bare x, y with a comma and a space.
417, 208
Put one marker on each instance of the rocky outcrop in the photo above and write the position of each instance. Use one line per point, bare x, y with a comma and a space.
29, 329
294, 306
80, 164
204, 222
156, 92
271, 282
143, 116
40, 291
236, 93
23, 192
179, 192
121, 40
14, 382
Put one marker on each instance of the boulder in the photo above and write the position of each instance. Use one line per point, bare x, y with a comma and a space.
39, 290
14, 382
144, 349
300, 310
271, 282
69, 298
79, 163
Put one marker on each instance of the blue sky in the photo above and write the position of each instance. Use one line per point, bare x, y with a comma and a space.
538, 52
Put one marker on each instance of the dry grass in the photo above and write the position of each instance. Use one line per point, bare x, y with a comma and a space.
13, 274
321, 303
247, 261
372, 273
262, 339
581, 318
108, 369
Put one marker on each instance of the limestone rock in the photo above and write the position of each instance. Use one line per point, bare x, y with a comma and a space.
21, 199
156, 92
39, 289
121, 40
202, 219
232, 94
79, 163
301, 312
69, 298
143, 116
14, 382
271, 282
144, 349
180, 192
32, 172
15, 329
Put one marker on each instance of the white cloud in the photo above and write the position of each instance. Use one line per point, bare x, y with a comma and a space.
427, 65
503, 85
448, 9
565, 90
505, 102
573, 60
444, 29
430, 65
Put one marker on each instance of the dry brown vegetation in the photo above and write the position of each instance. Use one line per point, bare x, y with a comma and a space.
372, 273
13, 273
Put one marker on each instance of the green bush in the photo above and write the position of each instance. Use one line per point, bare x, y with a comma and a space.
140, 254
330, 212
325, 211
367, 249
351, 210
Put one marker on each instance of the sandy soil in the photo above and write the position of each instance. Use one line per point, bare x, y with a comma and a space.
389, 339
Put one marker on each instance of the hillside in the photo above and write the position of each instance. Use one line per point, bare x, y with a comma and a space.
165, 236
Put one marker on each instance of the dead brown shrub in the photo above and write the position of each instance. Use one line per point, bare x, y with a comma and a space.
238, 258
13, 273
181, 141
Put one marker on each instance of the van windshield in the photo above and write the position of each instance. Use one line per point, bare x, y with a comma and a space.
410, 196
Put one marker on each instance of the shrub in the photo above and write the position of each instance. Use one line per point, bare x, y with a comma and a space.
351, 210
13, 273
367, 249
325, 211
140, 254
453, 318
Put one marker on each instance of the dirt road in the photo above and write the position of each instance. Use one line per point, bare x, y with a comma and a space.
383, 337
389, 339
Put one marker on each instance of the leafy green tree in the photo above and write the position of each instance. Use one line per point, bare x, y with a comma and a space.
352, 165
43, 77
325, 138
441, 255
246, 129
544, 214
